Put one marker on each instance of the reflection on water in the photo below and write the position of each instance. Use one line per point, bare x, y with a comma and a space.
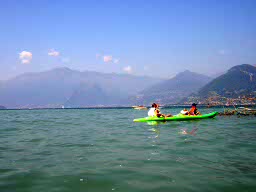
183, 131
154, 138
186, 132
156, 131
156, 122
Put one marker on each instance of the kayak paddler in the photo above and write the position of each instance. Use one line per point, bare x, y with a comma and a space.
184, 111
154, 111
193, 110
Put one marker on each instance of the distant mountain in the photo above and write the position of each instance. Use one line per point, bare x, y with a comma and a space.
239, 80
50, 88
65, 86
89, 95
2, 107
173, 90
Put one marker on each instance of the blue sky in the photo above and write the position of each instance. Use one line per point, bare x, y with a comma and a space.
155, 37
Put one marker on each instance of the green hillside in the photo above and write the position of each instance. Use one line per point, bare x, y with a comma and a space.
238, 81
173, 90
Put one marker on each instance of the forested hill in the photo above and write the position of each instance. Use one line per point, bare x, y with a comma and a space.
239, 80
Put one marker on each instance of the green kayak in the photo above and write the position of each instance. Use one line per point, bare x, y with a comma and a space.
178, 117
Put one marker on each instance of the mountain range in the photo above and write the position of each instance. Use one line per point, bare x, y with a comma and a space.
173, 90
63, 86
71, 88
2, 107
238, 81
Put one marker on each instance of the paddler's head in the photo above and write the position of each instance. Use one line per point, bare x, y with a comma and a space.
154, 105
193, 105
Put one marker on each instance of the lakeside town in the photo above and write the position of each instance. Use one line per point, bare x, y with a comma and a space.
217, 100
213, 101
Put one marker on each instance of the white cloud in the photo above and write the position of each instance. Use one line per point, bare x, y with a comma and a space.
107, 58
116, 61
128, 69
53, 53
25, 54
25, 57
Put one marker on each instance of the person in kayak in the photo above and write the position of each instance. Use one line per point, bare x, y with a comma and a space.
193, 110
151, 112
184, 111
155, 111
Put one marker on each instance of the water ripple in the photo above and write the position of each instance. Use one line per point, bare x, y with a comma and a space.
104, 150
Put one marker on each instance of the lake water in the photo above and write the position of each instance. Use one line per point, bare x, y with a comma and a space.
104, 150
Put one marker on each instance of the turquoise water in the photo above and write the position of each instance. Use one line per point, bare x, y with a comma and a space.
104, 150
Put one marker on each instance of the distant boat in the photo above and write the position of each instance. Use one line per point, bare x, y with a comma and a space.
209, 105
246, 109
63, 107
139, 107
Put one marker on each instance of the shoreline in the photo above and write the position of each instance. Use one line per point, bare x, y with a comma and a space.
130, 107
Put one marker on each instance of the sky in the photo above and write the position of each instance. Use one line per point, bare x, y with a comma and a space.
157, 38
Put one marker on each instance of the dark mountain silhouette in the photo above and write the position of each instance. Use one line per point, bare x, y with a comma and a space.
173, 90
238, 81
61, 85
2, 107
